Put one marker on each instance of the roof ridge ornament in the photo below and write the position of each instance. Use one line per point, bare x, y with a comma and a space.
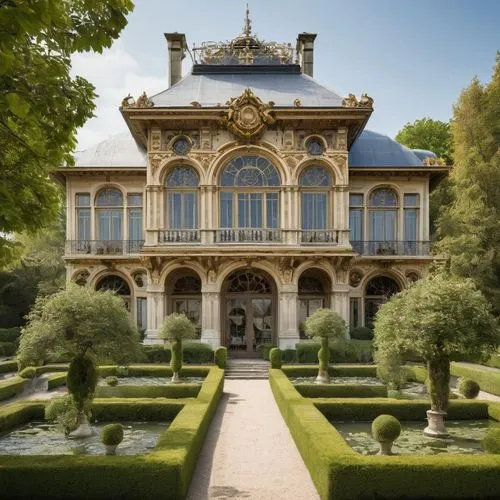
351, 101
247, 116
247, 27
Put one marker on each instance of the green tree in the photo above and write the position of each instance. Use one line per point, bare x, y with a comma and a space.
41, 105
426, 133
176, 328
440, 318
325, 325
83, 325
469, 228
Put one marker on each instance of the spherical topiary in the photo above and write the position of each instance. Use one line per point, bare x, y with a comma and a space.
275, 357
112, 434
220, 357
28, 372
469, 388
491, 442
386, 428
112, 381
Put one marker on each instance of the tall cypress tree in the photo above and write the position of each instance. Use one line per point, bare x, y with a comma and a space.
469, 227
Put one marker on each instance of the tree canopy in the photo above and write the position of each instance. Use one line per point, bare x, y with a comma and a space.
79, 321
177, 327
426, 133
41, 104
469, 228
325, 323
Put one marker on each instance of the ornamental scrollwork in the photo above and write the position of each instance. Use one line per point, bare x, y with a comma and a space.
247, 116
156, 159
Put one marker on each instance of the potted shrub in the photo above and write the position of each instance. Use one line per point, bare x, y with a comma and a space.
325, 325
176, 328
440, 318
386, 429
111, 437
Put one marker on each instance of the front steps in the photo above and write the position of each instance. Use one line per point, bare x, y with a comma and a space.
249, 369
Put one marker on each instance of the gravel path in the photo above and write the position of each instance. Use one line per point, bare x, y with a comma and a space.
249, 452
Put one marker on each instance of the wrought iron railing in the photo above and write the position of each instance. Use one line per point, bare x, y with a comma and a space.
167, 236
388, 248
248, 236
103, 247
319, 237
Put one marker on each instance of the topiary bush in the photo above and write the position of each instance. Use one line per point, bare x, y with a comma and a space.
157, 353
468, 388
491, 442
112, 381
275, 357
386, 428
361, 333
28, 372
197, 352
64, 413
82, 380
390, 371
264, 349
288, 355
112, 434
220, 357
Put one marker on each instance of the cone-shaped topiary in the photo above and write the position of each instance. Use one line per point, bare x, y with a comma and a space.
386, 428
491, 442
468, 388
176, 328
220, 357
275, 357
28, 372
82, 380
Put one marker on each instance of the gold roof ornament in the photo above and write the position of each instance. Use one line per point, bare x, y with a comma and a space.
351, 101
143, 101
247, 116
245, 49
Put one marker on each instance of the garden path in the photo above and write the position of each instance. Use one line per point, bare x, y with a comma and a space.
249, 452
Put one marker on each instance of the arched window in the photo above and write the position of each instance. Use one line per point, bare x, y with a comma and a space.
182, 198
249, 200
378, 290
315, 185
185, 297
116, 284
109, 215
383, 216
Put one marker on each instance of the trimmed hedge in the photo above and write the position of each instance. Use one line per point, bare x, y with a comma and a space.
155, 371
8, 348
494, 361
173, 391
157, 353
11, 387
163, 474
289, 356
488, 380
275, 357
10, 334
220, 357
340, 473
334, 371
197, 352
8, 366
351, 351
341, 391
264, 349
361, 333
56, 380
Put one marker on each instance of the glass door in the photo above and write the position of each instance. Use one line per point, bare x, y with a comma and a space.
237, 338
262, 322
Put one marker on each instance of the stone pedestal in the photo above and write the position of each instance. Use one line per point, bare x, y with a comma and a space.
83, 430
436, 426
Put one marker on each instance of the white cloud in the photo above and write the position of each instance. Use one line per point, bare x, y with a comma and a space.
115, 73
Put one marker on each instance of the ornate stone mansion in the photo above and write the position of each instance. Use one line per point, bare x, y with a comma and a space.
248, 195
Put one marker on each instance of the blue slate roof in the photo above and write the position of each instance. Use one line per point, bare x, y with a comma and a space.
424, 153
212, 89
377, 150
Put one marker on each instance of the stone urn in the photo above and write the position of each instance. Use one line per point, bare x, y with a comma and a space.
435, 427
83, 430
110, 449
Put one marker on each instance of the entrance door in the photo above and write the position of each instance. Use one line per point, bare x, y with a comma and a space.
249, 324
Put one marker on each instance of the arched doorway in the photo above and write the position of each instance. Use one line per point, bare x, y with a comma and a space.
378, 290
314, 293
116, 284
249, 312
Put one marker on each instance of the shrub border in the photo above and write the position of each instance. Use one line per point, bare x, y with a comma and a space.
164, 473
340, 473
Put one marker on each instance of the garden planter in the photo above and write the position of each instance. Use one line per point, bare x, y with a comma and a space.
83, 430
436, 426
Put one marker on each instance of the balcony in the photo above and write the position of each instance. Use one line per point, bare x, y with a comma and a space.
103, 247
248, 236
319, 237
391, 248
182, 236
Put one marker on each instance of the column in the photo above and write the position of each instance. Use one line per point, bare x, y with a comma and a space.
210, 315
156, 314
287, 317
339, 301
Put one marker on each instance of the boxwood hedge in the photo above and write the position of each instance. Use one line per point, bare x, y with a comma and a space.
340, 473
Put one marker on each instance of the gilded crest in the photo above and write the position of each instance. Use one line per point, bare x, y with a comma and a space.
247, 116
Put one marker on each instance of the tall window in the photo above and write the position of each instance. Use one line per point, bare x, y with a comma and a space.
182, 198
186, 298
83, 216
411, 216
312, 296
249, 194
109, 212
135, 234
356, 216
315, 184
383, 215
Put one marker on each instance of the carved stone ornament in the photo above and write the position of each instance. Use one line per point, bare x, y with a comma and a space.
355, 278
156, 159
412, 276
247, 116
351, 101
143, 101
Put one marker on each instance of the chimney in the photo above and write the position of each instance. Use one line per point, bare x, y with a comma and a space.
305, 52
176, 53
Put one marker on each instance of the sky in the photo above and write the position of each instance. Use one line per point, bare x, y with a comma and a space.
412, 57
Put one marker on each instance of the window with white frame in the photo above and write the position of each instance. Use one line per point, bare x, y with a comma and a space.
109, 215
383, 215
315, 184
182, 198
83, 214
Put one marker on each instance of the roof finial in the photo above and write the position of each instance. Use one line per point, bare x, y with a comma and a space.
247, 28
